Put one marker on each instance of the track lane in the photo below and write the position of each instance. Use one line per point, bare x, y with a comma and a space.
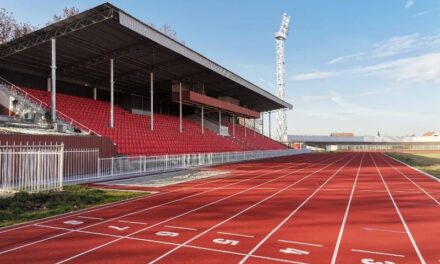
419, 211
374, 231
424, 183
236, 224
309, 235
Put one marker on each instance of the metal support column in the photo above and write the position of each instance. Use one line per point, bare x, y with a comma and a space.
180, 108
233, 125
95, 93
244, 126
151, 101
49, 84
54, 81
219, 121
262, 123
270, 125
112, 95
203, 120
255, 128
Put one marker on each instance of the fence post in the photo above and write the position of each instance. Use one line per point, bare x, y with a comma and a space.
140, 164
98, 167
38, 171
61, 168
111, 169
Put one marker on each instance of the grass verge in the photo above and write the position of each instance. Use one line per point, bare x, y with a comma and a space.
24, 207
427, 162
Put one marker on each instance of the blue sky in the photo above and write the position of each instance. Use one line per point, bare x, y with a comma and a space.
353, 66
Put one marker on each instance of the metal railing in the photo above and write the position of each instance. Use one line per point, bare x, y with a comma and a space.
80, 163
31, 168
131, 166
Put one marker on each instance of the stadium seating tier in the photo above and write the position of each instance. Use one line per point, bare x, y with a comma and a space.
132, 134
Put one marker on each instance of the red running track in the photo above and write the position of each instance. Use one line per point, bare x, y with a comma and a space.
314, 208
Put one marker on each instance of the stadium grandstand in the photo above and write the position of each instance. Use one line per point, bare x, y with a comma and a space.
116, 77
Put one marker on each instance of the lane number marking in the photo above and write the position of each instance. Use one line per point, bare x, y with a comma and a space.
73, 222
372, 261
118, 228
223, 241
167, 233
294, 251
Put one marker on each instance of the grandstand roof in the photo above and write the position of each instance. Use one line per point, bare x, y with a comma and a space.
87, 41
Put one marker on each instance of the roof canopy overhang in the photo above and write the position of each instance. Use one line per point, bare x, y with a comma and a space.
86, 42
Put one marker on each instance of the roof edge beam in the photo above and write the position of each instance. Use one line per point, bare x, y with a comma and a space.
60, 29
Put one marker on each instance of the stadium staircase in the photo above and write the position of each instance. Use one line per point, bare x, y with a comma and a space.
132, 134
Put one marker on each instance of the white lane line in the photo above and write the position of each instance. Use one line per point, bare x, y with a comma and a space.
378, 253
299, 243
347, 210
383, 230
181, 227
414, 168
234, 234
293, 212
89, 217
416, 248
35, 242
183, 198
132, 222
209, 204
172, 244
74, 213
404, 175
246, 209
298, 158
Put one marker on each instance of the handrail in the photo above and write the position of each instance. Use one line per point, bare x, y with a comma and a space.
42, 104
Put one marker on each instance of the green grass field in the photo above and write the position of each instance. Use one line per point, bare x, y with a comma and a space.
25, 207
427, 162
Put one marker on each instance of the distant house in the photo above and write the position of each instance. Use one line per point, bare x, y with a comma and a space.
341, 134
431, 134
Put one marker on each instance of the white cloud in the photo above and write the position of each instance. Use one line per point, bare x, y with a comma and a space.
422, 13
394, 46
409, 3
424, 68
346, 57
266, 82
314, 76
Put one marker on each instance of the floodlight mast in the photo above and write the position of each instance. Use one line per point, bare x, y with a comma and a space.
280, 37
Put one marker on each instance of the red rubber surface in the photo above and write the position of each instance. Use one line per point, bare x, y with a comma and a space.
315, 208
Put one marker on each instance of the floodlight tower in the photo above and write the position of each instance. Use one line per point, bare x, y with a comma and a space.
280, 37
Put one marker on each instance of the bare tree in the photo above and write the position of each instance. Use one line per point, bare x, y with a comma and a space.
7, 25
23, 29
167, 30
67, 12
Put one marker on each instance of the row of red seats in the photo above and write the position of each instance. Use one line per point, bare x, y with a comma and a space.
132, 134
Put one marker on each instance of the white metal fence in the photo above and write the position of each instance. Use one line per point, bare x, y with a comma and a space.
80, 163
31, 168
45, 168
123, 166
